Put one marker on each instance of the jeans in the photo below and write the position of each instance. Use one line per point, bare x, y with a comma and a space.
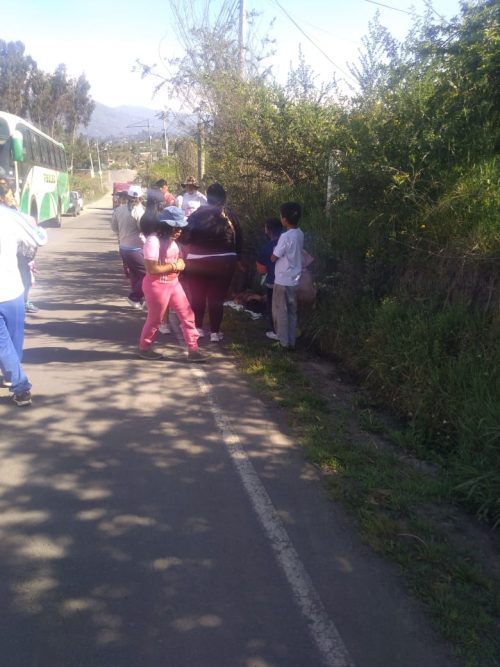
11, 344
209, 280
133, 261
285, 314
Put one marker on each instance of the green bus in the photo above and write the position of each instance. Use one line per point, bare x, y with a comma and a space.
36, 166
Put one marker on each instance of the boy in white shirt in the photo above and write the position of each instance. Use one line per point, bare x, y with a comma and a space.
288, 258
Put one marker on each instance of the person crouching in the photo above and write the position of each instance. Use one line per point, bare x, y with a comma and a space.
161, 284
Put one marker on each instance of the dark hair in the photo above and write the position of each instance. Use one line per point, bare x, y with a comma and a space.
216, 195
4, 189
161, 183
151, 224
274, 226
291, 211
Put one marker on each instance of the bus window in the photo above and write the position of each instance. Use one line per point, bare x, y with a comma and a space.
44, 151
35, 145
28, 151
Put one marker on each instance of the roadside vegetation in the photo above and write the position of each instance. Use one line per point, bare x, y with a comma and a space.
407, 235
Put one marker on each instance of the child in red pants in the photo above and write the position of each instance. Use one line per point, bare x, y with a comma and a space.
161, 284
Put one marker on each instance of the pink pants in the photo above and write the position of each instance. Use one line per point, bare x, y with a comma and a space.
158, 297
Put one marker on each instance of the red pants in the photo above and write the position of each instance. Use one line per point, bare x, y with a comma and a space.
158, 297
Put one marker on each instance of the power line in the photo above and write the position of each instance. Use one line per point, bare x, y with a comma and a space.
312, 41
396, 9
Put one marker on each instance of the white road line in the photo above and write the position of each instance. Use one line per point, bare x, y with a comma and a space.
322, 629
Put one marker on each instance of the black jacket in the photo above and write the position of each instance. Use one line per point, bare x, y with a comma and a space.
213, 230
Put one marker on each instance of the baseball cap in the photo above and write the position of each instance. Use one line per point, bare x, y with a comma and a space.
135, 191
173, 216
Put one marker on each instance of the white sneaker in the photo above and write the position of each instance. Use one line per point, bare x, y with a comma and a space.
272, 335
201, 333
216, 337
135, 304
164, 328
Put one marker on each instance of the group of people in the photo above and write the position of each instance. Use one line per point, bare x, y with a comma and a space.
181, 255
20, 237
184, 256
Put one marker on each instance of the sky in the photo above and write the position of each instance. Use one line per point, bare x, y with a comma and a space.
103, 38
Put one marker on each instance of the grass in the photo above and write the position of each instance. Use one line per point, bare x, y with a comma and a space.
401, 509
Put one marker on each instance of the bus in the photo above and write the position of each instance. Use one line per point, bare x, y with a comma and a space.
36, 166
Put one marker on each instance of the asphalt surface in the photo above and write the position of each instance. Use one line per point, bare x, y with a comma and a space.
155, 514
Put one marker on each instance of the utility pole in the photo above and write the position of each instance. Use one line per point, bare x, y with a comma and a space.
242, 35
99, 161
164, 119
92, 173
201, 150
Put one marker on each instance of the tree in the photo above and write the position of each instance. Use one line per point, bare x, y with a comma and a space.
16, 72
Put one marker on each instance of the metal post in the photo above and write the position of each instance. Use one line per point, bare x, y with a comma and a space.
99, 161
201, 150
242, 38
92, 173
165, 132
150, 146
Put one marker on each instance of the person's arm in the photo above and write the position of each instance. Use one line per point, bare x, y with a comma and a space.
279, 249
154, 267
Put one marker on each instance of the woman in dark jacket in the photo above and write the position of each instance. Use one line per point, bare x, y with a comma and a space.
213, 238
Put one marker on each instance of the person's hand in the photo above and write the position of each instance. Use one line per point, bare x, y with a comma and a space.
181, 265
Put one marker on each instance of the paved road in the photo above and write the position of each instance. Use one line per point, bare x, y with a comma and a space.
155, 514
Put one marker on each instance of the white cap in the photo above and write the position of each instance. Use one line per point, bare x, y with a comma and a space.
135, 191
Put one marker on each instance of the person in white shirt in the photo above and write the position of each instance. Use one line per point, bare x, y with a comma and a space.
126, 225
192, 198
12, 235
287, 256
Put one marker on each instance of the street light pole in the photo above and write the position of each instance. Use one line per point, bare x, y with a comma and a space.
242, 38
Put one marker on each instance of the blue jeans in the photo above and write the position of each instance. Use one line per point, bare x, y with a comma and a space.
133, 260
11, 344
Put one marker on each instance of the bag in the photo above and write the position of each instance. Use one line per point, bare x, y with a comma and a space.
306, 289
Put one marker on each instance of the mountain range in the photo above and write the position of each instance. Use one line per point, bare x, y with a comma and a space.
130, 121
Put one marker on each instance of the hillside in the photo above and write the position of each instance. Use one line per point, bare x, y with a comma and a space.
108, 122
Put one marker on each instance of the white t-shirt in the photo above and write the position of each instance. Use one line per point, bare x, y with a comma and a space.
289, 251
190, 202
12, 235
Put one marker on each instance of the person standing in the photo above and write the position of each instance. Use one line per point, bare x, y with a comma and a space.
161, 284
25, 256
191, 199
287, 256
125, 223
12, 235
214, 244
162, 187
265, 266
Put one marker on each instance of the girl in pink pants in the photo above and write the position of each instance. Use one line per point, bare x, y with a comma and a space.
161, 284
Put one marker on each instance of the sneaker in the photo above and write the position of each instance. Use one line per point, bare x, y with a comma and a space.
198, 357
216, 337
5, 383
272, 335
24, 398
30, 307
164, 328
150, 354
201, 333
135, 304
